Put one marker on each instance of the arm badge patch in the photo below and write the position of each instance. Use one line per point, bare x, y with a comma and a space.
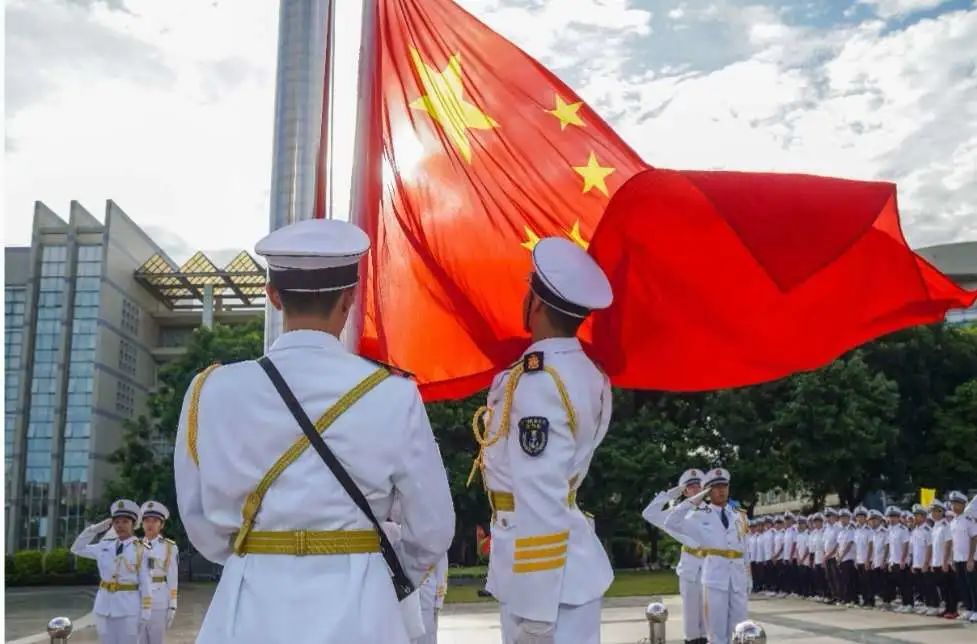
533, 434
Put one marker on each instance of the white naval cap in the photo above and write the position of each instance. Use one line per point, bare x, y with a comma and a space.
716, 476
314, 255
861, 511
893, 511
155, 509
830, 512
956, 497
938, 505
567, 279
125, 508
844, 512
690, 477
874, 514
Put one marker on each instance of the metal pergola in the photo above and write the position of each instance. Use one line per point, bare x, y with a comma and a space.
239, 285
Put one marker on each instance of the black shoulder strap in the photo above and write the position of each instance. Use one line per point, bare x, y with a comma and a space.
402, 584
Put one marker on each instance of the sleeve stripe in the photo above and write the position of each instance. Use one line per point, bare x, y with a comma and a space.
543, 539
541, 553
537, 566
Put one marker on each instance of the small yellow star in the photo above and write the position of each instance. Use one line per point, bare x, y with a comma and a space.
567, 113
576, 237
593, 175
531, 239
445, 102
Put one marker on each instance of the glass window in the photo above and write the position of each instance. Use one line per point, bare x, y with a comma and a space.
54, 253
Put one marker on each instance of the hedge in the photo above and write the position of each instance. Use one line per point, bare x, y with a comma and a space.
57, 567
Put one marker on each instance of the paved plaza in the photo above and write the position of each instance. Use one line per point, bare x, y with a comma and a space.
785, 620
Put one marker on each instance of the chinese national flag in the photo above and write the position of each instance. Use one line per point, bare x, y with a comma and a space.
720, 279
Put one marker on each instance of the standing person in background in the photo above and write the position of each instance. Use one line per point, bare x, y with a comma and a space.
124, 599
863, 554
689, 567
830, 542
941, 545
963, 529
816, 542
898, 549
803, 558
880, 553
778, 556
789, 585
921, 540
845, 555
164, 557
767, 549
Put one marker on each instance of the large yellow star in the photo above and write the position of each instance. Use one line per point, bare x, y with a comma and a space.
593, 175
567, 113
445, 102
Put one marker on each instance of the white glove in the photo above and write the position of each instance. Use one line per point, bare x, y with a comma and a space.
170, 616
102, 525
675, 492
533, 632
145, 615
698, 497
392, 530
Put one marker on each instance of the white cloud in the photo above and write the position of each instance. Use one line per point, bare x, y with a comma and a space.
860, 102
164, 107
896, 8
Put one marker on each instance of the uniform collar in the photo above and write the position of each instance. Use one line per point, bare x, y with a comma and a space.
554, 345
307, 339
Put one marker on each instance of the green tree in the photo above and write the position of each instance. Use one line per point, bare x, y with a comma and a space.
927, 363
145, 473
952, 460
838, 430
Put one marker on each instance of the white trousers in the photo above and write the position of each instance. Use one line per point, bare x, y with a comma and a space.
693, 620
574, 624
117, 630
429, 615
724, 609
152, 633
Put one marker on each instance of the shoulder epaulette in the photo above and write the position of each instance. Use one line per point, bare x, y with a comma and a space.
742, 510
397, 371
169, 541
107, 540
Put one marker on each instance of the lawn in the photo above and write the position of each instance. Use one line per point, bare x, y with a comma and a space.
627, 583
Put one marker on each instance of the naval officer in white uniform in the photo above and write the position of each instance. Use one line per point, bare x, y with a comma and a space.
124, 600
690, 561
302, 562
164, 561
721, 534
544, 419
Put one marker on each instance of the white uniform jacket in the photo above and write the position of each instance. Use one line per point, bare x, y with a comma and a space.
689, 564
544, 549
164, 561
123, 567
235, 427
727, 561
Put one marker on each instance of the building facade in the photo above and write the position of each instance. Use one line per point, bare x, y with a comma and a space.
83, 339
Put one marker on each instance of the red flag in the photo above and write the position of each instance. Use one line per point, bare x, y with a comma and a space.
724, 279
720, 279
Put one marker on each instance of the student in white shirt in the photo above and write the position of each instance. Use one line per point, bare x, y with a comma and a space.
941, 561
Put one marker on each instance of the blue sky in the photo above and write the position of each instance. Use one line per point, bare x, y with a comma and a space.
166, 107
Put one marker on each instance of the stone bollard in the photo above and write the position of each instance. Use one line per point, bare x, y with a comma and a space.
657, 615
59, 629
749, 632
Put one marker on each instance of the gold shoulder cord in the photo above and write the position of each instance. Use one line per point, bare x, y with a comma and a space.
193, 414
483, 415
253, 502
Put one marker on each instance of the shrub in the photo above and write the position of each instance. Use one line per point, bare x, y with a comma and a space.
29, 564
85, 566
9, 571
57, 562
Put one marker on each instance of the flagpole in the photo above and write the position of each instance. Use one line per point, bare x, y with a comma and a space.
364, 198
303, 29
